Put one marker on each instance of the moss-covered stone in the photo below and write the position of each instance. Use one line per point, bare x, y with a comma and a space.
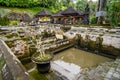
37, 76
10, 35
10, 44
96, 46
110, 50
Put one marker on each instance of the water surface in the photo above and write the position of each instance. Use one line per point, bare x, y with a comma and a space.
80, 57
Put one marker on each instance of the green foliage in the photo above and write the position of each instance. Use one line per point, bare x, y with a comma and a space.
28, 3
92, 6
81, 4
43, 58
4, 21
47, 3
13, 22
52, 4
15, 3
113, 8
64, 3
93, 20
37, 5
4, 12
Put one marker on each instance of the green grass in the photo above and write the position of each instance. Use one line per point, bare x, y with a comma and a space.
32, 10
37, 76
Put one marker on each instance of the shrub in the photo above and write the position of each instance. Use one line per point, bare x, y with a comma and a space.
113, 8
4, 21
93, 20
13, 22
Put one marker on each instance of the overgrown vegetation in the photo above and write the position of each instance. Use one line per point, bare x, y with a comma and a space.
14, 22
4, 21
51, 4
111, 7
27, 3
113, 11
93, 20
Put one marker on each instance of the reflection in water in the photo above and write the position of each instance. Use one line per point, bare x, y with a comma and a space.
81, 58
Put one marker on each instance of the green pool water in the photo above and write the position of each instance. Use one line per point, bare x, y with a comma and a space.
72, 55
80, 57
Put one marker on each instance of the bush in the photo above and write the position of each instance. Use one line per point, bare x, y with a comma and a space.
4, 21
93, 20
13, 22
114, 12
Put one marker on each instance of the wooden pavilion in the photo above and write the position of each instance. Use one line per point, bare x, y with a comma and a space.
57, 17
43, 16
68, 16
72, 16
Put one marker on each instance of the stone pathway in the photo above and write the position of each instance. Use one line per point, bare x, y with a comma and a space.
105, 71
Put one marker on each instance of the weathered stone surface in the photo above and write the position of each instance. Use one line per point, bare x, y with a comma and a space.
14, 16
104, 71
18, 16
16, 68
68, 70
26, 17
99, 39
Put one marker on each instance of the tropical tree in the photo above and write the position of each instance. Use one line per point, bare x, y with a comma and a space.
101, 7
113, 12
28, 3
81, 4
92, 5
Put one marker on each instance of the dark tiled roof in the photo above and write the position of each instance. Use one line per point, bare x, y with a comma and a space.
44, 13
70, 11
58, 14
80, 12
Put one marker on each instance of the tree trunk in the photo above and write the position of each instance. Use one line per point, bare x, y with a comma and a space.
98, 6
101, 6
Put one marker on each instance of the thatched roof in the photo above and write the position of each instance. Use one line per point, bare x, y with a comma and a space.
44, 13
58, 14
70, 11
80, 12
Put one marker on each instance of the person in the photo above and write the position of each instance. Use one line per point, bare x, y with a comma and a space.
21, 23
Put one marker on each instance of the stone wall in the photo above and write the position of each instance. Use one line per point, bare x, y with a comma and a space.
18, 16
11, 68
100, 40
